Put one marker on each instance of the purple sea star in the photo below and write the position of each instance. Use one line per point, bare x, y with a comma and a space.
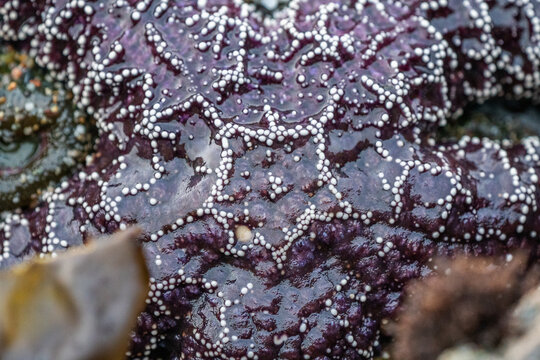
285, 168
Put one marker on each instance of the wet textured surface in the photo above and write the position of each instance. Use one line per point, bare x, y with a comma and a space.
286, 170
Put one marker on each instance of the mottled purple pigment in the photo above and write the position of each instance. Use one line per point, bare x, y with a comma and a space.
298, 179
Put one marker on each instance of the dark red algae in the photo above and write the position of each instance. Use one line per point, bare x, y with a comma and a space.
285, 168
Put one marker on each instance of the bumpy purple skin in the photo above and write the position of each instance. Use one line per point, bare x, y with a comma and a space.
303, 185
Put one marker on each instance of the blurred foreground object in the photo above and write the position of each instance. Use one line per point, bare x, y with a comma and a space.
526, 320
523, 345
80, 305
466, 307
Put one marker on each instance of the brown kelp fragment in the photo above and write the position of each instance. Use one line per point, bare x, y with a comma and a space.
80, 305
468, 300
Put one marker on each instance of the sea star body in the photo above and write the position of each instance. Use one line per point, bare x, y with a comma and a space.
285, 169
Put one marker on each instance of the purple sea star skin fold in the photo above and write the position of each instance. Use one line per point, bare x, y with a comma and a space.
285, 168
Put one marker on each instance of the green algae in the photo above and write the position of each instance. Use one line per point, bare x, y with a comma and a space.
42, 136
496, 119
